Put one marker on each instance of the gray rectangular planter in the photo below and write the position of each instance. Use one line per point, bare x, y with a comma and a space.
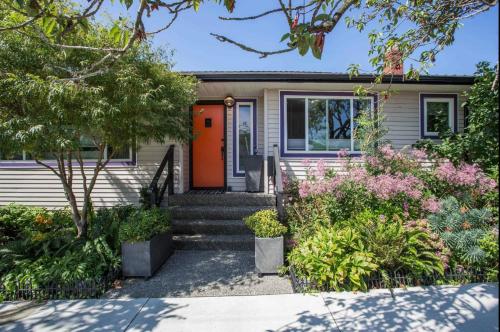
142, 259
253, 173
268, 254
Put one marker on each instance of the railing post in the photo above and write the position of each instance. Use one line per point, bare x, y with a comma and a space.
170, 169
152, 195
278, 185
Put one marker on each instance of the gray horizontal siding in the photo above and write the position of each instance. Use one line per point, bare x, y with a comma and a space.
115, 185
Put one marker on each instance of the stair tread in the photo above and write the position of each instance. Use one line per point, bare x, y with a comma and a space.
223, 199
208, 222
218, 207
214, 237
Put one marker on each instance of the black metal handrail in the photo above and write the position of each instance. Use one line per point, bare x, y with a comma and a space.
278, 184
156, 193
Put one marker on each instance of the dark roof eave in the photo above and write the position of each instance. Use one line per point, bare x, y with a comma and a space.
328, 78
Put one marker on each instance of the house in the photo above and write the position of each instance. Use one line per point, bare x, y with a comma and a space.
304, 114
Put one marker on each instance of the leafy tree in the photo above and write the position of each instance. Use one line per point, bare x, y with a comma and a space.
479, 143
51, 116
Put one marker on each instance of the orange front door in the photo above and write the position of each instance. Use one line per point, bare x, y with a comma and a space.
208, 146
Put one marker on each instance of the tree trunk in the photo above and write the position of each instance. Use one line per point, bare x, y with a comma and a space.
81, 227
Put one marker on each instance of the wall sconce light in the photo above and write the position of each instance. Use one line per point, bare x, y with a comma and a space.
229, 101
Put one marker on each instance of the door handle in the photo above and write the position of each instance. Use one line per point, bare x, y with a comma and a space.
222, 152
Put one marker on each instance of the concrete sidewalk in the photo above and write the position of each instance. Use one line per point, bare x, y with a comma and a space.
442, 308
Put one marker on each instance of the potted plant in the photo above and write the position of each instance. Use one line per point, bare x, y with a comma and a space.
268, 240
146, 242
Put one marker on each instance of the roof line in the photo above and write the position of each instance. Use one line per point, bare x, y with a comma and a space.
317, 77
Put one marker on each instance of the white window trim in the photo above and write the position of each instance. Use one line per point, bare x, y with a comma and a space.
451, 107
237, 132
24, 160
306, 120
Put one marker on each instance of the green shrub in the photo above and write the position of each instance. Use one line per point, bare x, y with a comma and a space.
39, 246
462, 229
489, 244
85, 260
142, 225
400, 247
334, 258
265, 223
305, 216
106, 223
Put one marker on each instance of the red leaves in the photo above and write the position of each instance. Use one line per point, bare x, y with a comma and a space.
230, 5
141, 35
319, 41
295, 22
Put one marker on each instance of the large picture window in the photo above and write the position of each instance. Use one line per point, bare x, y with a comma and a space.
437, 113
244, 135
319, 124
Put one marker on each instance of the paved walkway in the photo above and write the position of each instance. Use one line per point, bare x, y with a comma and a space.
205, 273
442, 308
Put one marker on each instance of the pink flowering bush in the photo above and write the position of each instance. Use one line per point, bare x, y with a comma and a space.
388, 161
462, 180
387, 198
355, 187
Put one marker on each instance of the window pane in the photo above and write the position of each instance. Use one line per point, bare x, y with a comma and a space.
317, 124
244, 132
88, 149
123, 153
361, 106
296, 115
437, 116
339, 121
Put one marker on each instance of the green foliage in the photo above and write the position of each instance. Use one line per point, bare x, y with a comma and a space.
334, 258
370, 130
83, 261
39, 247
489, 245
265, 223
462, 230
142, 225
138, 99
306, 216
479, 142
106, 224
396, 246
135, 100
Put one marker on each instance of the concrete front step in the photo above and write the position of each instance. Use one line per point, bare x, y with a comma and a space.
202, 226
214, 242
223, 199
213, 212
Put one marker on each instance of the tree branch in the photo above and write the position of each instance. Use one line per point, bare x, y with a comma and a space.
262, 54
22, 25
269, 12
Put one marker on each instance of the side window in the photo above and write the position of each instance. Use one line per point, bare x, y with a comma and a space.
243, 132
296, 130
438, 115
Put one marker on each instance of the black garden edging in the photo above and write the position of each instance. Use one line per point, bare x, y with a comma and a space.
84, 289
397, 280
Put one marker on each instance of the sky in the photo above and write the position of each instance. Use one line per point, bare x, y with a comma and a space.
195, 49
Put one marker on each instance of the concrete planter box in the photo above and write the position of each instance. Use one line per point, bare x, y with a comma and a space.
254, 180
142, 259
268, 254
